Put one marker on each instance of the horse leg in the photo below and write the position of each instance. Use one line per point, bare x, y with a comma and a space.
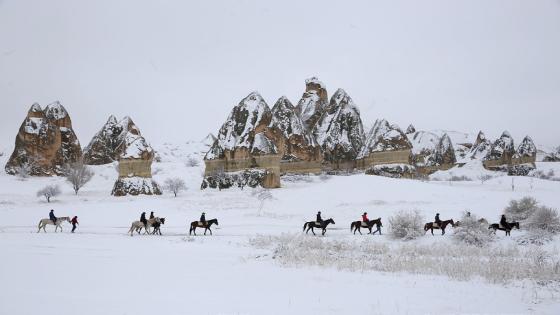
442, 231
324, 231
313, 231
209, 229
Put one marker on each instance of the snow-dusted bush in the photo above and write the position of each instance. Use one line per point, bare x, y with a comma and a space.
49, 192
77, 174
461, 178
485, 177
406, 225
324, 177
174, 185
544, 219
519, 210
192, 162
546, 176
471, 232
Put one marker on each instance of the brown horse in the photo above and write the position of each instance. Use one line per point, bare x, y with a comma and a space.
356, 225
432, 225
497, 226
206, 226
313, 224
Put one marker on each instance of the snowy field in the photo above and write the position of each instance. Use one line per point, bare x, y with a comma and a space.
102, 270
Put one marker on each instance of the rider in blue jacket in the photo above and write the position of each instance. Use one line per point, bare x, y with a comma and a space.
52, 217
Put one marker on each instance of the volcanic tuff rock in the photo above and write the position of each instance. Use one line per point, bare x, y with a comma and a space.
410, 129
502, 150
480, 148
116, 140
313, 102
527, 148
293, 140
384, 137
339, 131
444, 153
46, 141
552, 156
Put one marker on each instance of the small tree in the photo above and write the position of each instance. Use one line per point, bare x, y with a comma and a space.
175, 185
519, 210
484, 178
49, 192
545, 219
77, 174
472, 232
262, 195
192, 162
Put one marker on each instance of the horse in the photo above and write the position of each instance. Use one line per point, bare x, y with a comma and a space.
481, 221
442, 226
138, 226
44, 222
356, 225
496, 226
313, 224
206, 226
157, 226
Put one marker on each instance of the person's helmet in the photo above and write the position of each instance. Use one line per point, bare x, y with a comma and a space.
437, 213
319, 212
203, 212
365, 212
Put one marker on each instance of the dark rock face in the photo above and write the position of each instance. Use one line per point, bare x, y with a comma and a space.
527, 148
46, 141
252, 178
340, 132
444, 153
410, 129
502, 150
135, 186
520, 169
313, 103
384, 137
392, 170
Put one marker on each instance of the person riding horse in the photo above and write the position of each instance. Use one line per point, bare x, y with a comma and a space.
203, 219
319, 219
143, 220
504, 223
52, 217
365, 218
152, 215
437, 220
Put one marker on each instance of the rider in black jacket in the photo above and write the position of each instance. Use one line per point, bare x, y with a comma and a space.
319, 219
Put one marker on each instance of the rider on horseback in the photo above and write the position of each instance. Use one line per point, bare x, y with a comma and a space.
151, 215
143, 220
319, 219
203, 219
504, 223
365, 218
437, 220
52, 217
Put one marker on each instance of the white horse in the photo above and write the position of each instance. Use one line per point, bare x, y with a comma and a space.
138, 226
44, 222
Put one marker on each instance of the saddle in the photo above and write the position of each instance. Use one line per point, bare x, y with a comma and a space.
364, 224
201, 225
503, 227
435, 225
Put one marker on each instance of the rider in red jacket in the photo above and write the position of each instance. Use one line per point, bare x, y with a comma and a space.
365, 218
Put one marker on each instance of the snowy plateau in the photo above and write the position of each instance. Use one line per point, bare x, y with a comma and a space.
258, 261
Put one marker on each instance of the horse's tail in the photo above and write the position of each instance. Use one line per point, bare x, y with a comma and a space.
351, 226
305, 225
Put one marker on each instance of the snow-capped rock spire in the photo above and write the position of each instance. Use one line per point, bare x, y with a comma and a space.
313, 102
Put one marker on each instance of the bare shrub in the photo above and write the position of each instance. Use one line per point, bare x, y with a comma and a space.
49, 192
262, 196
324, 177
520, 210
77, 174
471, 232
484, 178
192, 162
25, 170
175, 185
406, 225
544, 219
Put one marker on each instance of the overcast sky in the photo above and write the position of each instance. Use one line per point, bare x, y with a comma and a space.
178, 67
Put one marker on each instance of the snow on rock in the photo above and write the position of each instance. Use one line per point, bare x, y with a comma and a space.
384, 137
135, 186
396, 170
431, 150
209, 140
527, 148
45, 141
250, 177
116, 140
340, 131
263, 145
410, 129
250, 117
444, 153
313, 102
502, 149
552, 156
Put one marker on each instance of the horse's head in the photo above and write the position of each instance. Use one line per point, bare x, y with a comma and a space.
215, 221
162, 220
452, 223
515, 224
330, 220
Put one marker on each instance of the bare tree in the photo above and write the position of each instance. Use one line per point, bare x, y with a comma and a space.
49, 192
175, 185
262, 195
77, 174
484, 178
192, 162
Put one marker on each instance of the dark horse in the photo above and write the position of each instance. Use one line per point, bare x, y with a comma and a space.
206, 226
442, 226
356, 225
313, 224
157, 226
496, 226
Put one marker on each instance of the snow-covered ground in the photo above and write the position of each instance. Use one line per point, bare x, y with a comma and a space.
102, 270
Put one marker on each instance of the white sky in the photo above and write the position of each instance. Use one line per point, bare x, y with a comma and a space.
177, 67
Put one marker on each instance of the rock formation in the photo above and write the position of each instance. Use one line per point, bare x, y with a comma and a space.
523, 161
242, 142
134, 155
552, 156
313, 103
444, 156
501, 152
296, 145
481, 147
45, 142
410, 129
384, 144
339, 132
